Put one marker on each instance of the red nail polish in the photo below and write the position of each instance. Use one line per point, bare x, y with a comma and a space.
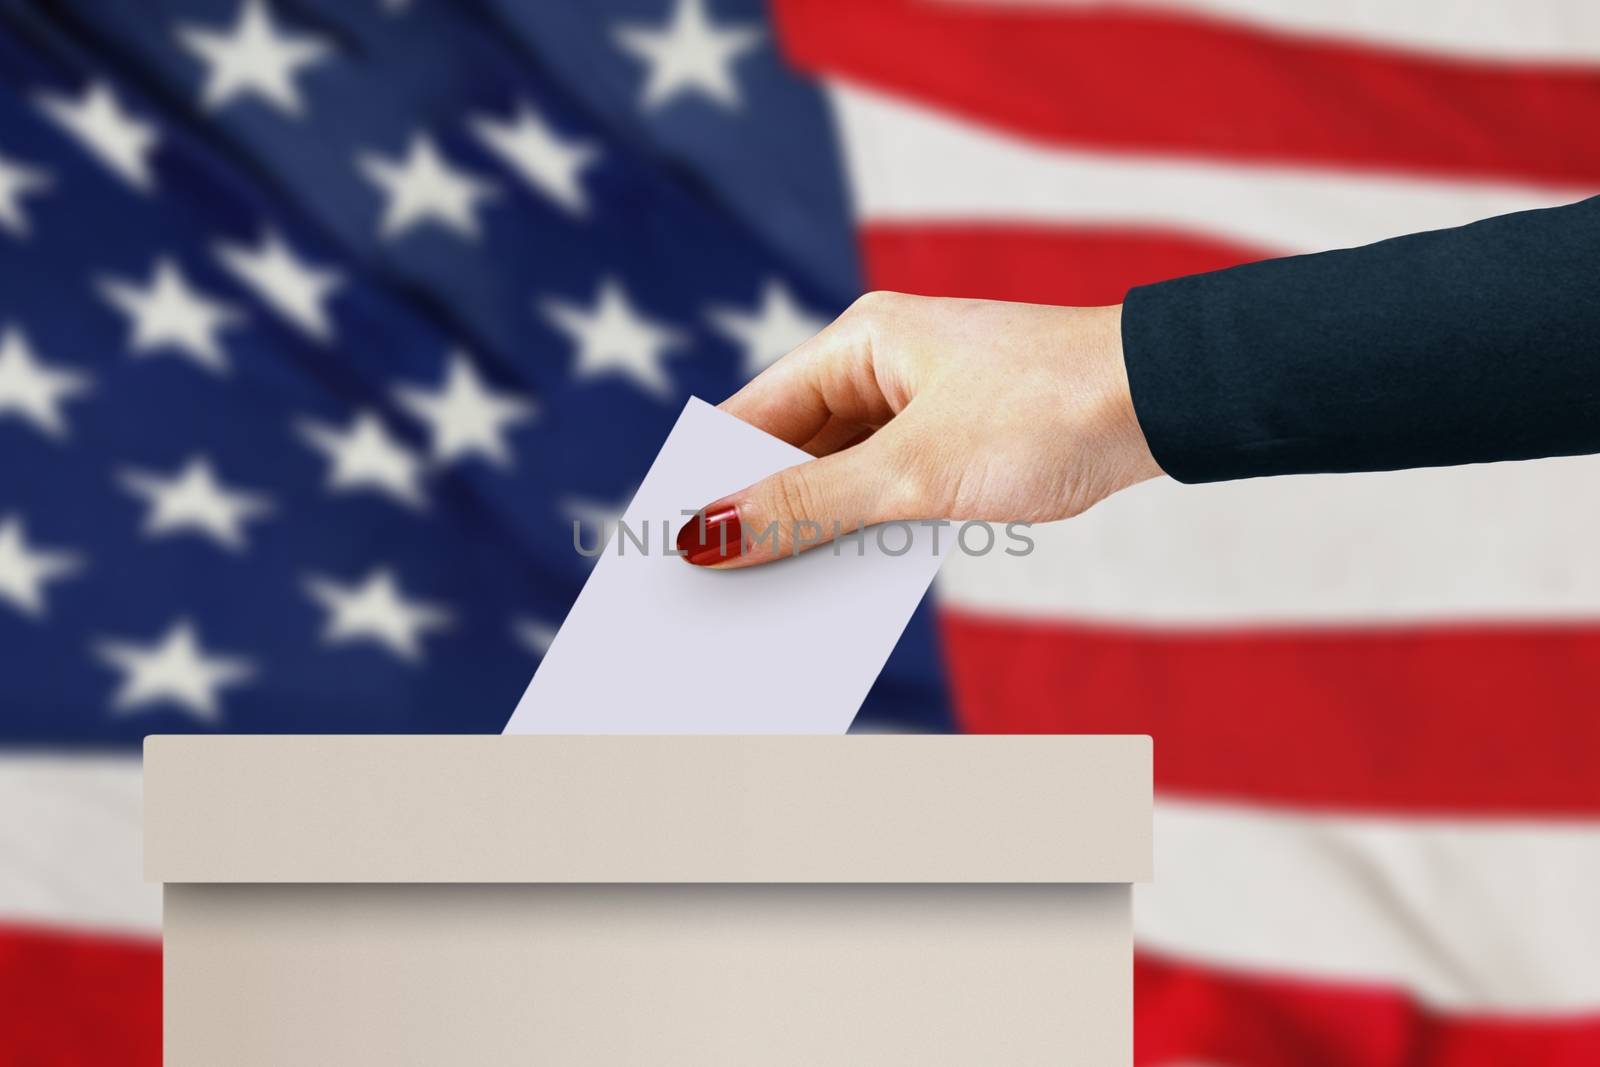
712, 538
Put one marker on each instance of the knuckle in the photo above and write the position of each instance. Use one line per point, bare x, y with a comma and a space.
793, 496
865, 304
876, 305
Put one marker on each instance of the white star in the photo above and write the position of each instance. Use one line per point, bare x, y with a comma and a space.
424, 187
613, 337
24, 571
290, 286
533, 635
366, 456
689, 54
175, 670
16, 181
465, 416
777, 327
253, 58
194, 500
528, 145
169, 314
110, 134
376, 610
32, 389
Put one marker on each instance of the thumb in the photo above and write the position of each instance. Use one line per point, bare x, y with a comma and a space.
797, 509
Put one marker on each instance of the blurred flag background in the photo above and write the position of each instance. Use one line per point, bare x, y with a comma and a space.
320, 323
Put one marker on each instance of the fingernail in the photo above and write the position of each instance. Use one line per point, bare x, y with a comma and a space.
713, 538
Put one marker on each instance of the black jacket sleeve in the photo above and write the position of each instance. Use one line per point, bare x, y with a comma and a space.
1458, 346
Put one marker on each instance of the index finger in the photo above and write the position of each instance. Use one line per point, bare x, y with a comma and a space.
827, 379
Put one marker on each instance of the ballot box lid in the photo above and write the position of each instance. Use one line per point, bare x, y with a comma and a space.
852, 809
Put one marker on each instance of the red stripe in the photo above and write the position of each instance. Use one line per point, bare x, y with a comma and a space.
86, 999
75, 998
1170, 82
1188, 1014
1041, 264
1458, 720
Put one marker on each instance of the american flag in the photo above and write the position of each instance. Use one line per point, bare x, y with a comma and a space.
1373, 697
320, 324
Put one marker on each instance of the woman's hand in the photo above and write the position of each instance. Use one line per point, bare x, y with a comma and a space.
929, 408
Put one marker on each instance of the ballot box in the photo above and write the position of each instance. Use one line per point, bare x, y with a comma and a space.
641, 901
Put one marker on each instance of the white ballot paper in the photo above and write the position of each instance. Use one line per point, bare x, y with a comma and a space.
656, 646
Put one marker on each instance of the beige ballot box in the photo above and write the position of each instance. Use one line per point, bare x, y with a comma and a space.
706, 901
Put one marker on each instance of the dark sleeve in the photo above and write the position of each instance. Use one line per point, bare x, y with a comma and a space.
1458, 346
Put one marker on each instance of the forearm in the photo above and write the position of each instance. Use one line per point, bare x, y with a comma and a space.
1459, 346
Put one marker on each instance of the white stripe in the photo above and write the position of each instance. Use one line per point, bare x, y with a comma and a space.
1513, 541
71, 844
911, 163
1473, 916
1480, 917
1503, 541
1533, 30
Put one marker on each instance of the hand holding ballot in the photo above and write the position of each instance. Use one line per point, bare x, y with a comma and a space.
919, 408
653, 647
